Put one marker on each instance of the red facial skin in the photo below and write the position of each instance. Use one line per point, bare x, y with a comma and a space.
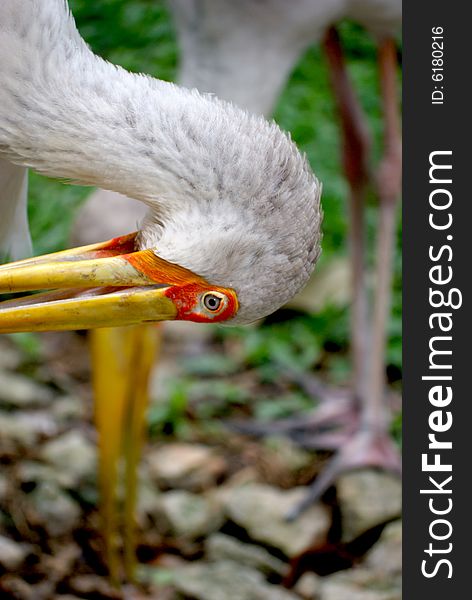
186, 288
187, 299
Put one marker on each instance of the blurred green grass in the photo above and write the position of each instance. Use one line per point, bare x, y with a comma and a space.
138, 34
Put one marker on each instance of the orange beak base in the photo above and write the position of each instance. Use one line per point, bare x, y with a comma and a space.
107, 285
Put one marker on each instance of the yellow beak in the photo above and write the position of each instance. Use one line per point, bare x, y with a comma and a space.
102, 285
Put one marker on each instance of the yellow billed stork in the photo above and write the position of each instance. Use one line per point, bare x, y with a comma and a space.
232, 229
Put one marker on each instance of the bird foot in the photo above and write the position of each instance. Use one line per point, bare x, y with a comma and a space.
327, 428
366, 448
330, 425
335, 425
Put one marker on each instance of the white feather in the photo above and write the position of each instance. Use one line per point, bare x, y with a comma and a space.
231, 197
15, 240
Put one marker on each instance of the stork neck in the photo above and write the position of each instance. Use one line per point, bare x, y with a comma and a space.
96, 124
69, 114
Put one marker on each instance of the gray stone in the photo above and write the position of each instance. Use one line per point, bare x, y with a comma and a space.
367, 498
3, 488
94, 586
286, 454
19, 391
261, 509
69, 408
226, 579
12, 554
13, 586
386, 555
188, 515
308, 586
10, 356
73, 454
148, 501
29, 471
53, 509
224, 547
60, 564
343, 591
191, 467
359, 584
246, 475
25, 429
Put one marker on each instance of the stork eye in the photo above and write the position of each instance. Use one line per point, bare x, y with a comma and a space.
212, 301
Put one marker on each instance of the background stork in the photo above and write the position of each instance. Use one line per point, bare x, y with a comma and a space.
233, 223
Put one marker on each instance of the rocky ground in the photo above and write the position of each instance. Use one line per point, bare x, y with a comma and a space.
211, 510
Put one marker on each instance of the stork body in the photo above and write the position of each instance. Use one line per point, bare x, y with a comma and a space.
232, 225
218, 181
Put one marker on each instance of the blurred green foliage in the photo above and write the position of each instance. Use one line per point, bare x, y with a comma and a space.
170, 416
138, 34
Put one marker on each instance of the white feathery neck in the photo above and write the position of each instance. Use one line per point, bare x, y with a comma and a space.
232, 199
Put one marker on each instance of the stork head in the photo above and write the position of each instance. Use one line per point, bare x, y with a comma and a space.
232, 233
